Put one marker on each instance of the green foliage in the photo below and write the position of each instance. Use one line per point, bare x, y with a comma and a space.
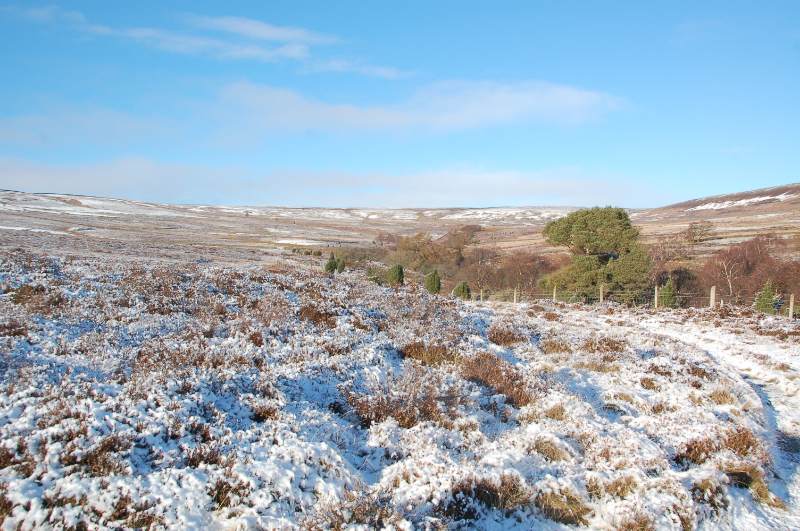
340, 266
330, 267
666, 295
765, 298
462, 291
433, 283
605, 251
377, 275
317, 253
395, 274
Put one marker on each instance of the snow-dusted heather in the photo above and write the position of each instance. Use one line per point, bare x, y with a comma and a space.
742, 202
185, 397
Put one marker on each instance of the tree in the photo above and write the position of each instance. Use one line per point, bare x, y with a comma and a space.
697, 231
340, 266
395, 275
330, 267
604, 251
462, 291
666, 295
433, 283
765, 299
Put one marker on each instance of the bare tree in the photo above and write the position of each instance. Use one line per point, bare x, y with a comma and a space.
698, 231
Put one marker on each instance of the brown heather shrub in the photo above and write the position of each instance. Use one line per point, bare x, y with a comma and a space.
595, 488
698, 451
208, 454
263, 413
564, 507
536, 308
751, 477
551, 316
228, 491
317, 317
356, 507
637, 523
625, 397
603, 345
102, 460
597, 366
555, 346
622, 487
707, 492
13, 329
509, 493
721, 397
742, 441
429, 355
500, 376
549, 450
5, 504
256, 338
556, 412
201, 431
504, 336
649, 383
6, 457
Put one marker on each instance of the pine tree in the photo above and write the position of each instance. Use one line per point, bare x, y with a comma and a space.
666, 295
340, 266
765, 298
395, 275
462, 291
330, 267
433, 283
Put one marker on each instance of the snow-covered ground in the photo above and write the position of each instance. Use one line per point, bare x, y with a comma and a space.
187, 397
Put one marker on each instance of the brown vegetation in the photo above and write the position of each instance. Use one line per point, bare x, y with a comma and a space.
498, 375
565, 507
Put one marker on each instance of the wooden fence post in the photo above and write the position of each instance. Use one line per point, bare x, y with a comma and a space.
601, 293
656, 299
515, 295
791, 306
554, 294
713, 296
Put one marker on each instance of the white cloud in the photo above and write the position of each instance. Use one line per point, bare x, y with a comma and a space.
147, 180
297, 40
256, 29
444, 106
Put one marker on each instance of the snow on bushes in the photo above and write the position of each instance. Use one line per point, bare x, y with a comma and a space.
177, 396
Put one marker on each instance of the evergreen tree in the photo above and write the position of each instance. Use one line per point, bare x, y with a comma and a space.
666, 295
433, 283
462, 291
765, 298
395, 275
340, 266
605, 250
330, 267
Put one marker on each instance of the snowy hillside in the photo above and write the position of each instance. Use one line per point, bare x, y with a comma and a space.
186, 397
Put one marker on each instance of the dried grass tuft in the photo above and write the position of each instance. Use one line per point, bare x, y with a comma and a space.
498, 375
721, 397
506, 494
556, 412
555, 346
549, 450
505, 337
564, 507
430, 355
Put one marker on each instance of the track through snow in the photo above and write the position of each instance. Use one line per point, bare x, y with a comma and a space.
771, 367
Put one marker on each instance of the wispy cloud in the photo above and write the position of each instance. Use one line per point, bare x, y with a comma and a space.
247, 43
256, 29
444, 106
147, 180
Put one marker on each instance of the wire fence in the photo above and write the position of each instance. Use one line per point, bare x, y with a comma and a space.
781, 305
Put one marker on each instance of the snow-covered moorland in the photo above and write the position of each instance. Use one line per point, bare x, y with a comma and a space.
193, 397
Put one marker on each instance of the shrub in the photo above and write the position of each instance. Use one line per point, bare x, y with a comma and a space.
749, 476
549, 450
666, 295
356, 509
429, 356
507, 494
556, 412
721, 397
698, 451
340, 266
433, 283
462, 291
395, 275
330, 266
498, 375
376, 274
319, 318
555, 346
317, 253
765, 299
228, 491
565, 507
504, 336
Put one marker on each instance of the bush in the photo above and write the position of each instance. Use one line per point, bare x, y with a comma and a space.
462, 291
340, 266
330, 267
500, 376
395, 275
317, 253
666, 295
765, 299
433, 283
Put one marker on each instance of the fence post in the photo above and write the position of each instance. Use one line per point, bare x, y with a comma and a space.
601, 293
791, 306
713, 296
656, 300
515, 295
554, 294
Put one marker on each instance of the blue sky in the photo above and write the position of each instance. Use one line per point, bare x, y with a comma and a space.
450, 103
